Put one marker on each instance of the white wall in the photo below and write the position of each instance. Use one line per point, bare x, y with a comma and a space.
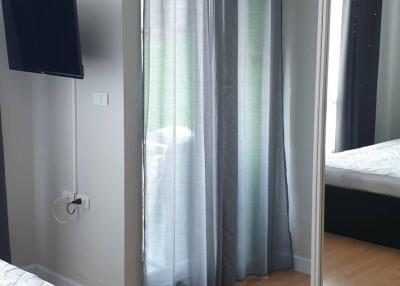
300, 38
388, 95
90, 251
16, 113
134, 125
103, 247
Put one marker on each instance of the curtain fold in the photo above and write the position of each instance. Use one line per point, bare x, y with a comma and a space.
264, 242
216, 207
358, 74
227, 139
4, 233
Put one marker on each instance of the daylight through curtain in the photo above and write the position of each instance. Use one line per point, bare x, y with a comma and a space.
216, 205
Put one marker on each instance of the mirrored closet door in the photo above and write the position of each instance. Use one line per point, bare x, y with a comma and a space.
362, 145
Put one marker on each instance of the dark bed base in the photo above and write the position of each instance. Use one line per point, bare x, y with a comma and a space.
363, 215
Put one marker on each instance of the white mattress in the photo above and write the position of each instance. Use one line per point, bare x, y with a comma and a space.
374, 168
13, 276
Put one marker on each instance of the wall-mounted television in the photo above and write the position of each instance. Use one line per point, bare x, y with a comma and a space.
43, 36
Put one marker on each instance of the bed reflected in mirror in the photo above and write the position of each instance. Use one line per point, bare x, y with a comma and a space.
362, 169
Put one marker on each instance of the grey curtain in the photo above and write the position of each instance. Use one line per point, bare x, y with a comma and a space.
358, 75
226, 29
216, 207
4, 238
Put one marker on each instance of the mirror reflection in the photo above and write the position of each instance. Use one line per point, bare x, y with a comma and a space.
362, 172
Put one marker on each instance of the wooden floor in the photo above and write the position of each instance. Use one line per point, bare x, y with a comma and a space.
280, 278
347, 262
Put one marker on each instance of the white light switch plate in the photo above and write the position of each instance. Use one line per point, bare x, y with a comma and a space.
101, 98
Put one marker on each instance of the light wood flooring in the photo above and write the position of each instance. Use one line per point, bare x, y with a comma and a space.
280, 278
347, 262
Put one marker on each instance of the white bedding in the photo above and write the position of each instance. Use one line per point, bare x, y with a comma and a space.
13, 276
374, 168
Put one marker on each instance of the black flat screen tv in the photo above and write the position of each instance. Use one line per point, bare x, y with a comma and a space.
43, 36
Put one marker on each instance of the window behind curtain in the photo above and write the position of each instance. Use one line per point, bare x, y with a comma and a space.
335, 33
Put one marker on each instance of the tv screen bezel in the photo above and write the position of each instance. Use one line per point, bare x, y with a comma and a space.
79, 75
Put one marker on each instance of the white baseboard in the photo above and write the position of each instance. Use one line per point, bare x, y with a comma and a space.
302, 264
29, 268
50, 276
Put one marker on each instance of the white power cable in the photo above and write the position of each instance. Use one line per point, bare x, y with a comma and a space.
74, 138
54, 212
74, 116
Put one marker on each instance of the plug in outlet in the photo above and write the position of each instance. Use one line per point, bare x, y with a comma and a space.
85, 201
72, 196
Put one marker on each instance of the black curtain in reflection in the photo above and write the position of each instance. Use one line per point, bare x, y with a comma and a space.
358, 75
4, 237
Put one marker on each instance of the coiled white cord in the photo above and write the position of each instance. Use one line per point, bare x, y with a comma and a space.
54, 212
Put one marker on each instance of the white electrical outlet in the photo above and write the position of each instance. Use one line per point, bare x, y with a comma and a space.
69, 195
72, 196
85, 201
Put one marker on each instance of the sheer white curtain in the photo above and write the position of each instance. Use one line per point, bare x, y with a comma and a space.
264, 241
216, 196
180, 101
